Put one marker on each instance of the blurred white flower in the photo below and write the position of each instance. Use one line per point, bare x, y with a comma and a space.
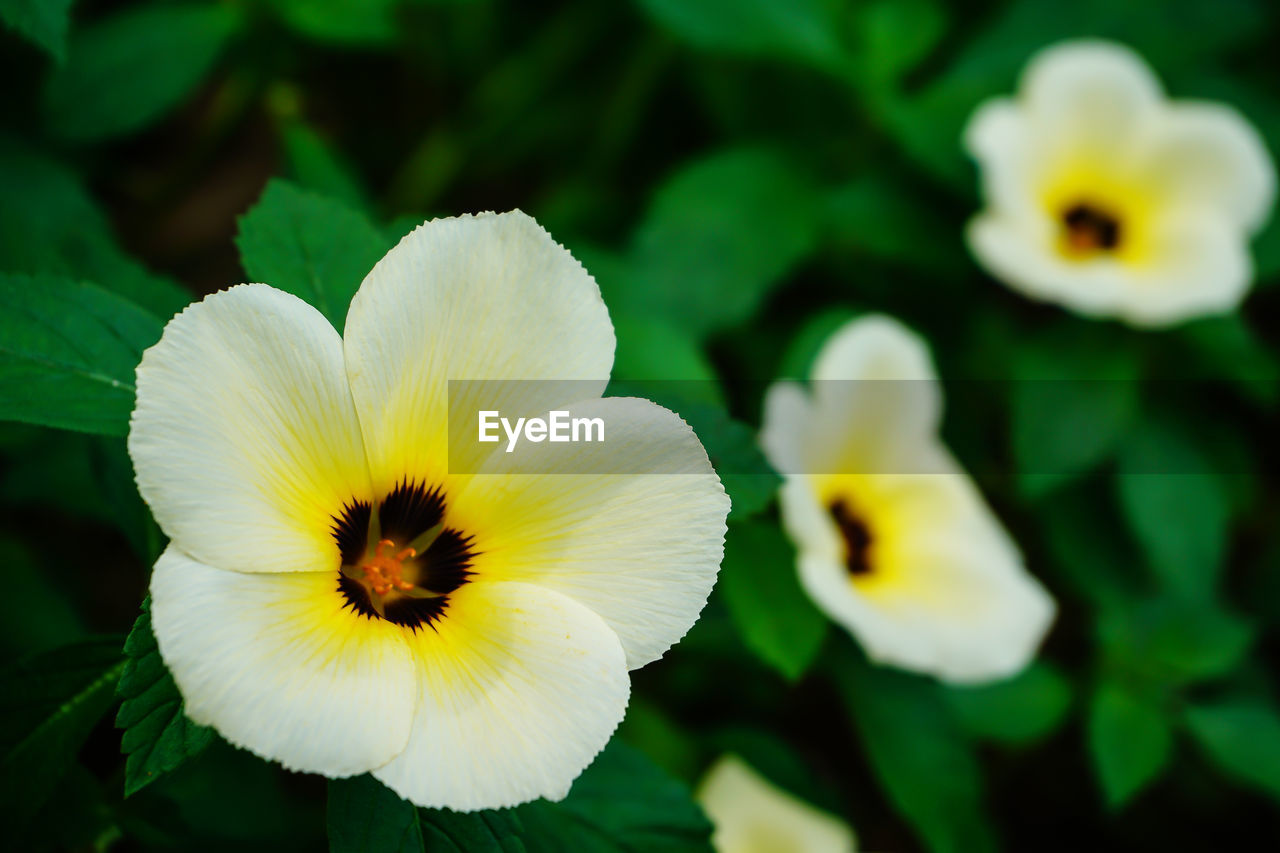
335, 599
1108, 198
752, 815
894, 541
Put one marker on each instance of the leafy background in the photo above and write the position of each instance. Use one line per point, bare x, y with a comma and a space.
741, 177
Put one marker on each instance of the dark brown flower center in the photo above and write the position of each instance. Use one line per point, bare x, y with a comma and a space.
401, 563
857, 538
1088, 229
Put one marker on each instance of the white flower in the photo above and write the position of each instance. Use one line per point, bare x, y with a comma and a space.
1108, 198
335, 599
752, 815
894, 541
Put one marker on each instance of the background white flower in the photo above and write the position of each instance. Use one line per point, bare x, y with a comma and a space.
1108, 198
478, 657
752, 815
894, 541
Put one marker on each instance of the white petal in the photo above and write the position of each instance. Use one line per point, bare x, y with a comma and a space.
875, 396
1014, 158
632, 527
488, 297
1209, 155
1087, 93
244, 438
752, 814
521, 688
1196, 264
947, 595
279, 666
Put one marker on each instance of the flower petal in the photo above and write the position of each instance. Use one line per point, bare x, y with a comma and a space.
751, 813
875, 397
487, 297
280, 666
521, 688
1092, 94
244, 437
1196, 264
1209, 155
632, 527
948, 594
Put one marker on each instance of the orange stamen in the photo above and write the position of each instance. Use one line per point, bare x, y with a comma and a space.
383, 571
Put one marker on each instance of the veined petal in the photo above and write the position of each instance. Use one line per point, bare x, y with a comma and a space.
1207, 155
488, 297
752, 814
632, 527
279, 665
244, 437
521, 687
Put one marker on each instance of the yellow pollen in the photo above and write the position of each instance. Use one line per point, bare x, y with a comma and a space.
382, 571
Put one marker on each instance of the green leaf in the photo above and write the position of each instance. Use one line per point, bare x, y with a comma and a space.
895, 35
128, 70
621, 803
1227, 347
158, 736
1243, 739
365, 816
797, 361
1130, 741
1024, 708
772, 612
732, 448
876, 216
1075, 396
315, 166
802, 30
718, 236
1088, 544
1174, 641
654, 351
1176, 506
49, 703
472, 832
34, 612
922, 759
310, 246
42, 22
50, 225
359, 22
68, 351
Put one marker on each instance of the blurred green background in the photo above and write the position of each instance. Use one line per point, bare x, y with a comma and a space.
740, 177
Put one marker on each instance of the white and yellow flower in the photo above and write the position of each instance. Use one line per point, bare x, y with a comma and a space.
752, 815
894, 541
1108, 198
335, 599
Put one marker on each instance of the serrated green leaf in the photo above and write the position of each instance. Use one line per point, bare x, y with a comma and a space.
1243, 739
310, 246
773, 614
791, 29
1130, 741
720, 233
68, 351
365, 816
50, 225
48, 705
1176, 506
1024, 708
158, 736
918, 752
129, 69
42, 22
